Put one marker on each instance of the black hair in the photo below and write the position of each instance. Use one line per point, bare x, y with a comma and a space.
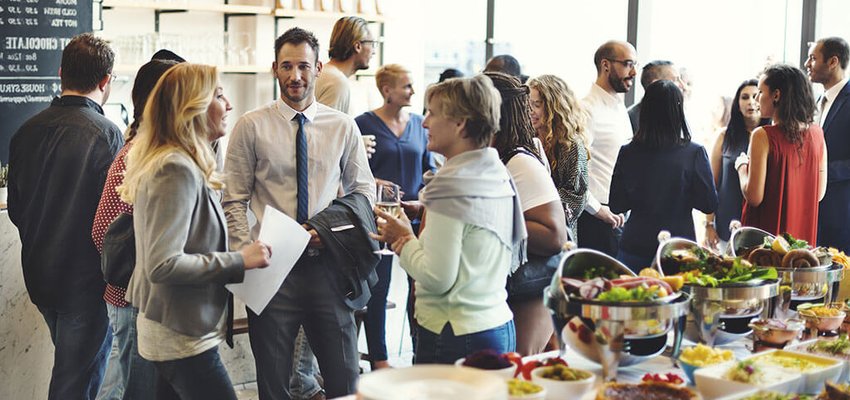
165, 54
449, 73
662, 117
296, 36
504, 63
146, 79
736, 130
607, 51
835, 46
515, 130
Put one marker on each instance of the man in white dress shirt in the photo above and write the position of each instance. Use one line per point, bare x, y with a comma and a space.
608, 129
269, 151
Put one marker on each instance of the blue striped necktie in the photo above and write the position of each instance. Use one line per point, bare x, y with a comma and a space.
301, 169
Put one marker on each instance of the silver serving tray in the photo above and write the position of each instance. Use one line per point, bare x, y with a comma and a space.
630, 311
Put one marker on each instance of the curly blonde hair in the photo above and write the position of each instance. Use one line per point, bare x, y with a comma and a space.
174, 120
565, 118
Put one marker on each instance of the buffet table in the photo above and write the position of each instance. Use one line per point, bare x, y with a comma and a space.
631, 374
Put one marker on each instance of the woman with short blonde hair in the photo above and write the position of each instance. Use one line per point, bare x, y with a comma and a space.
182, 260
472, 229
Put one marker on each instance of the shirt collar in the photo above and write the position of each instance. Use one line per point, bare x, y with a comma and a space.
832, 93
605, 97
289, 112
80, 101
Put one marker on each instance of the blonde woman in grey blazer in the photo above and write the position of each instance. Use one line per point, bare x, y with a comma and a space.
182, 262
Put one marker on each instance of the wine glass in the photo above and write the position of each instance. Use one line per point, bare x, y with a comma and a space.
389, 201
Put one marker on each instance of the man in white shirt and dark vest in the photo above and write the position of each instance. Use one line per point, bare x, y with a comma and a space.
608, 128
296, 155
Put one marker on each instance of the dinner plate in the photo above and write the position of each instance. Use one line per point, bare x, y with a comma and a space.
427, 382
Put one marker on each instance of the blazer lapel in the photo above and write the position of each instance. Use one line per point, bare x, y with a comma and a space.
836, 106
219, 213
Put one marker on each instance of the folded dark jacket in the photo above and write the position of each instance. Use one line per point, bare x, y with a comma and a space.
352, 250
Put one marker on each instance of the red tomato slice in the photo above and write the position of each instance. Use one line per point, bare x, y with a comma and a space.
528, 367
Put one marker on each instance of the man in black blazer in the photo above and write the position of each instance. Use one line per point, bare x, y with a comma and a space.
827, 65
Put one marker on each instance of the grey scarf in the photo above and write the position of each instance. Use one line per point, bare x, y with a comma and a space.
468, 188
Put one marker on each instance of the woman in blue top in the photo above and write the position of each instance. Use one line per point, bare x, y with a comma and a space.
745, 117
660, 176
401, 157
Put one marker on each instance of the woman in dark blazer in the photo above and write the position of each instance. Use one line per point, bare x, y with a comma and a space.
661, 176
182, 262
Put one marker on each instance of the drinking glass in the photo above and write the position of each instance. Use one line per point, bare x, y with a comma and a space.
389, 201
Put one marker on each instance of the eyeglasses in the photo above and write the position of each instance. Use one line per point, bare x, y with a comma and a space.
113, 77
629, 64
372, 42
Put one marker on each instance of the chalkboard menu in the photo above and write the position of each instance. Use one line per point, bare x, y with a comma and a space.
32, 36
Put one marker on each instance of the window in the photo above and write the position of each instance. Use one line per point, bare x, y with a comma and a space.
720, 44
454, 36
558, 37
832, 19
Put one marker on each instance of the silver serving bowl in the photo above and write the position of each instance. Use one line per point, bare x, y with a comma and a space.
806, 283
719, 315
612, 334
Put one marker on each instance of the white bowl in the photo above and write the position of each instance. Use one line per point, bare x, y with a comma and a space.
813, 379
556, 389
431, 382
504, 373
804, 346
712, 383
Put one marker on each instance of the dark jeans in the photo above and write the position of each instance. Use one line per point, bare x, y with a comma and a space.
376, 315
446, 348
200, 377
82, 340
593, 233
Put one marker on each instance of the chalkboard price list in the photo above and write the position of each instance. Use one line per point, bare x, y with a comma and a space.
33, 34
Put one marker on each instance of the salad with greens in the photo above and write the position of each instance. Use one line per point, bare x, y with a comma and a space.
703, 268
793, 243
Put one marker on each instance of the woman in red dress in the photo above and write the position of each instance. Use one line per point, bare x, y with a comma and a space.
784, 176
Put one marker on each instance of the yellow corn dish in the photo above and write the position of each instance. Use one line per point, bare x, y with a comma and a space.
702, 355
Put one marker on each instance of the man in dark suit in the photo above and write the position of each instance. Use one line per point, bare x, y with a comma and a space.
654, 71
827, 65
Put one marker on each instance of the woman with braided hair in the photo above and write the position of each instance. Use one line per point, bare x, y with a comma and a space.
541, 205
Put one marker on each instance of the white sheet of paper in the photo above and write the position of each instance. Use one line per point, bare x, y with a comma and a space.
288, 239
